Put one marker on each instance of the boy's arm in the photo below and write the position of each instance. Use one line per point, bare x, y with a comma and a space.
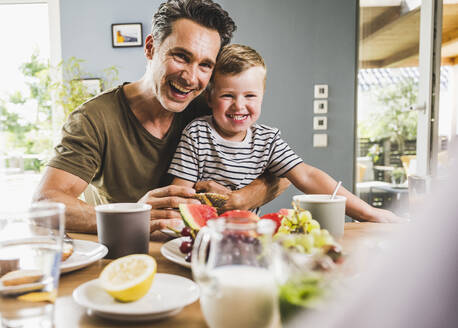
311, 180
182, 182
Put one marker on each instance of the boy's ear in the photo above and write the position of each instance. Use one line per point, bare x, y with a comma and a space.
207, 94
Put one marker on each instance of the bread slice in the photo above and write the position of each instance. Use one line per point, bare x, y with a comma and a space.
21, 277
67, 250
217, 200
212, 199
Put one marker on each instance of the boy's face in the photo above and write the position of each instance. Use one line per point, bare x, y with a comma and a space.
236, 101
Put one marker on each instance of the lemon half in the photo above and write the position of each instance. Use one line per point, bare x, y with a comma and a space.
128, 278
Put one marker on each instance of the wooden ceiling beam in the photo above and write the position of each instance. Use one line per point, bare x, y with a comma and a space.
400, 57
369, 64
450, 44
387, 17
388, 24
449, 61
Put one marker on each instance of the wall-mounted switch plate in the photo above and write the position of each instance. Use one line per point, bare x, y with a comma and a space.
320, 123
320, 106
320, 140
321, 91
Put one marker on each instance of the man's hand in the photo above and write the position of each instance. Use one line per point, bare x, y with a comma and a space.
164, 202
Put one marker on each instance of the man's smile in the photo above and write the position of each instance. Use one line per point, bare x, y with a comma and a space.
179, 89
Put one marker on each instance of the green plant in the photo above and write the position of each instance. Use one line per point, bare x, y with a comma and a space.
70, 90
398, 175
392, 119
32, 134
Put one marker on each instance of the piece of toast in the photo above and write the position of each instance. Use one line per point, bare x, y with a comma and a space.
21, 277
212, 199
67, 250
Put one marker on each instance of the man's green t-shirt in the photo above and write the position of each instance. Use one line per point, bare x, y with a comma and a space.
104, 144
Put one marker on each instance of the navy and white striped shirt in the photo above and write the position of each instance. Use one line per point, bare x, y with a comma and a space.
203, 154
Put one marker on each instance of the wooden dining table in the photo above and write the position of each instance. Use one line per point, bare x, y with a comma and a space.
68, 314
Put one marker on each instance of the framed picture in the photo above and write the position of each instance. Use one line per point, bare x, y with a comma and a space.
126, 35
92, 85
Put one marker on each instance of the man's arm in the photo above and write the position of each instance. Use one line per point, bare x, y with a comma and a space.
257, 193
311, 180
60, 186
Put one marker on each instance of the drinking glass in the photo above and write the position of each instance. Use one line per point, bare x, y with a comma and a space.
30, 256
302, 285
232, 264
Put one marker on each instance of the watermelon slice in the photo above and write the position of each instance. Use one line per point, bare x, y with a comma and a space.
196, 216
240, 214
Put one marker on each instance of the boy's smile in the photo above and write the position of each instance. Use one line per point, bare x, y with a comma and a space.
236, 101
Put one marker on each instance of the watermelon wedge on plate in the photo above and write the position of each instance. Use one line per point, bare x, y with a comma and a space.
196, 216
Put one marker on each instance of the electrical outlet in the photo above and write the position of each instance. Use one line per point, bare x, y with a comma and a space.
321, 91
320, 123
320, 140
320, 106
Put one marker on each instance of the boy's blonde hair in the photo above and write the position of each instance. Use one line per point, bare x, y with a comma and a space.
234, 59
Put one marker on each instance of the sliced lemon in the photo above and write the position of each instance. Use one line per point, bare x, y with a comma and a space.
128, 278
39, 297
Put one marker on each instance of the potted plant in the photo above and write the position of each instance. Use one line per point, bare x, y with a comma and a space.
398, 176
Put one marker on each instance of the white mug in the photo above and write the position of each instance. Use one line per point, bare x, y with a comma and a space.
330, 213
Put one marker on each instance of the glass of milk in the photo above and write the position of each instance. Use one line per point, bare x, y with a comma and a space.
231, 261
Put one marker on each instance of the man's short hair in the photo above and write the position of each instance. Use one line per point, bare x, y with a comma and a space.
234, 59
204, 12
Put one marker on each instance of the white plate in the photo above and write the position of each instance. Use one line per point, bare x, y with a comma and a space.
11, 290
167, 296
171, 251
135, 318
175, 225
84, 253
170, 233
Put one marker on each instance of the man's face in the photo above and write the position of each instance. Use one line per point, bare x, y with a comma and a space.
182, 65
236, 101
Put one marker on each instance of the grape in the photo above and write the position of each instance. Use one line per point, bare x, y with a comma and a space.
188, 257
186, 232
304, 217
186, 247
313, 225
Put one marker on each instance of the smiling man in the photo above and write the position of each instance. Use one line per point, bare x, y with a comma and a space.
122, 141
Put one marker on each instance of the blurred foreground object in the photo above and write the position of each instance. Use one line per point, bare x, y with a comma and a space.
413, 284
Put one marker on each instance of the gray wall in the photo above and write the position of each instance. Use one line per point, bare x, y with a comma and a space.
86, 34
304, 42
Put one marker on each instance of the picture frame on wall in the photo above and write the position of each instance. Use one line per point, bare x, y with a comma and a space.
93, 85
126, 35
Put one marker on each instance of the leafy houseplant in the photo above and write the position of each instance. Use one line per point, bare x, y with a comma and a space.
398, 176
70, 90
19, 133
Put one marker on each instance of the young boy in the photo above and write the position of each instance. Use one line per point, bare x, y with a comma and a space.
231, 149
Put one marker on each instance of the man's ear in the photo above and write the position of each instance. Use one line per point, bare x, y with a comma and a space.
149, 47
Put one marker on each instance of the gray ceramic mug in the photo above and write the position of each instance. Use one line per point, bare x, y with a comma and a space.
330, 213
124, 228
